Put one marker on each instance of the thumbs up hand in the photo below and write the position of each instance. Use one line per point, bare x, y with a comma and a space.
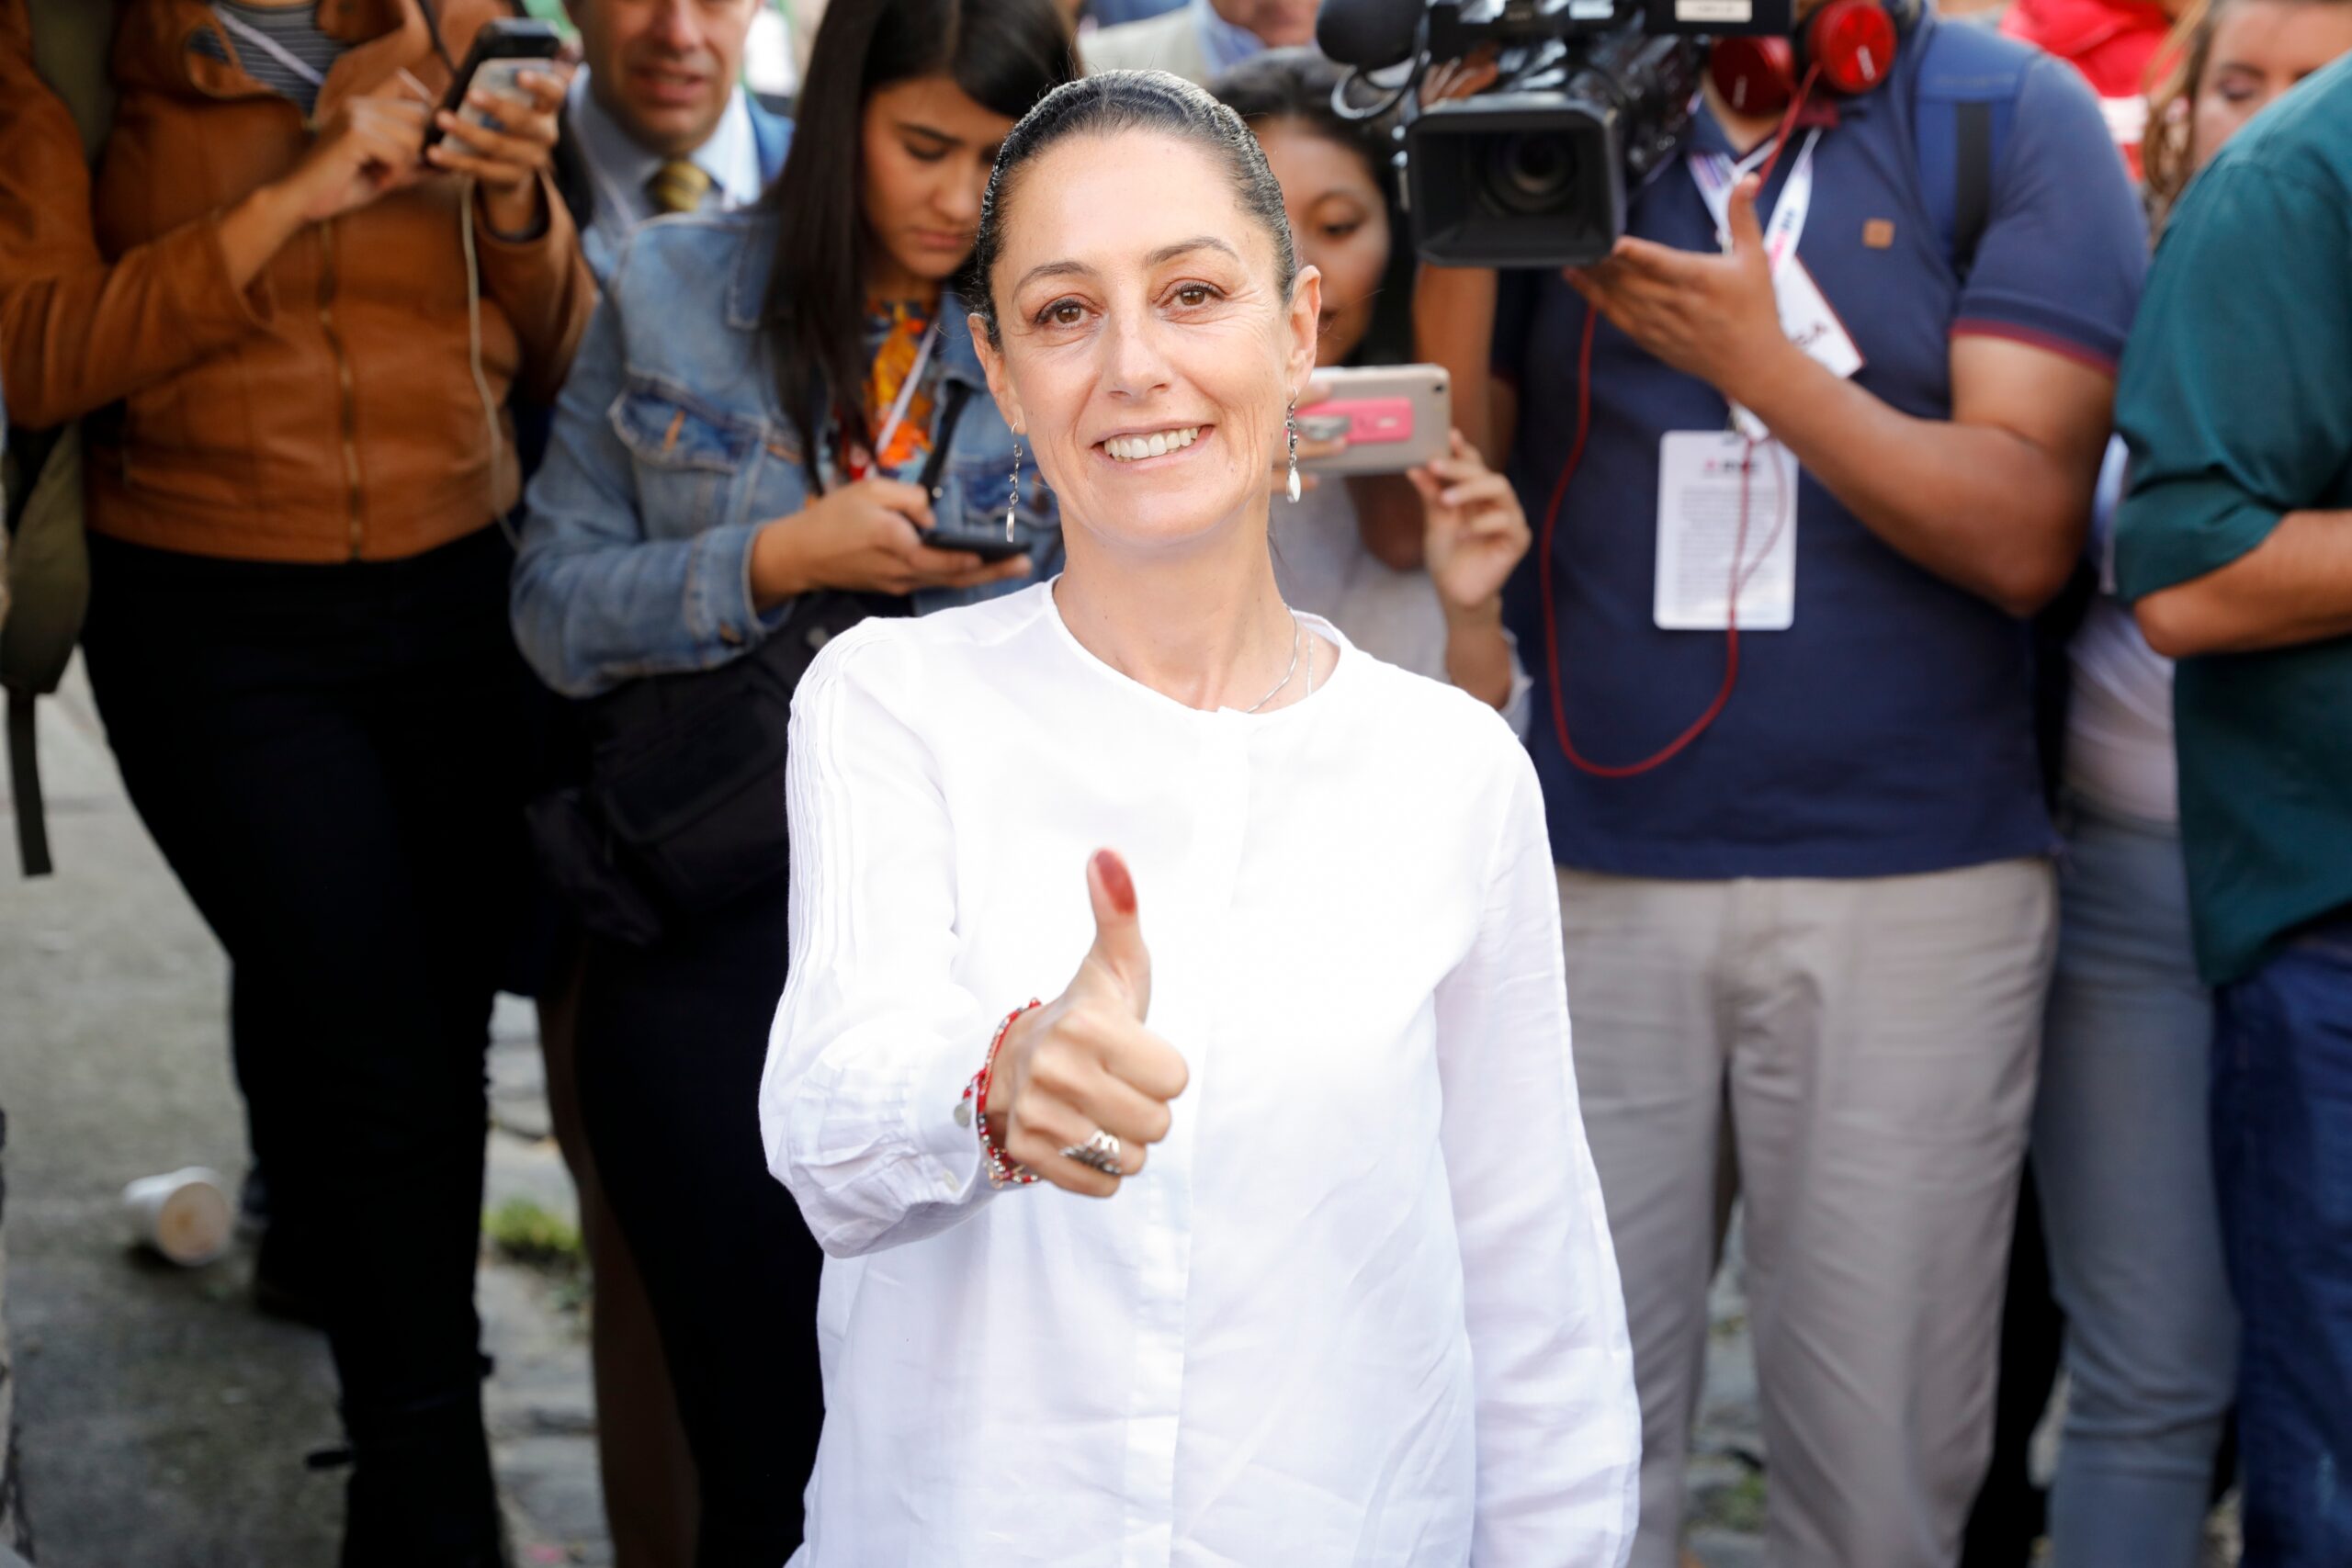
1712, 315
1084, 1062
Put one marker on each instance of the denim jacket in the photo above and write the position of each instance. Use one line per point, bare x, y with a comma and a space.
671, 450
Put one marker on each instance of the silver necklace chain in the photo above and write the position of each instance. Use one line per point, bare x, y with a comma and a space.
1298, 636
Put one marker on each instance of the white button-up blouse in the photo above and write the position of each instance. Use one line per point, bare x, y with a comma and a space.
1361, 1306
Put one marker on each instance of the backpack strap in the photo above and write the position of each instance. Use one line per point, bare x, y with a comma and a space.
1969, 81
48, 567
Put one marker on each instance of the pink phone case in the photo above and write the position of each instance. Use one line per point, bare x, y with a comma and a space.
1392, 417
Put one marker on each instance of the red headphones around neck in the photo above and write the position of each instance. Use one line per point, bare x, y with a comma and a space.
1850, 44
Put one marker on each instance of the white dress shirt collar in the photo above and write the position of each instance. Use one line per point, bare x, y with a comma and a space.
620, 167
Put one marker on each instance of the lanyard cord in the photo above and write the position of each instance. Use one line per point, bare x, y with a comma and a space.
897, 416
1788, 124
906, 392
1738, 550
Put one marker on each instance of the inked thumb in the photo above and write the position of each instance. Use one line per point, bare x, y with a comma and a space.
1118, 933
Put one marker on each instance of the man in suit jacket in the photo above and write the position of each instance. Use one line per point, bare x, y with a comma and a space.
659, 122
1202, 39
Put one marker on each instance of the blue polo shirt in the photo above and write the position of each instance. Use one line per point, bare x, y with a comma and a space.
1890, 730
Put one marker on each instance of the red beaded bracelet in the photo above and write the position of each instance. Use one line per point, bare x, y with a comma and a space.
1002, 1171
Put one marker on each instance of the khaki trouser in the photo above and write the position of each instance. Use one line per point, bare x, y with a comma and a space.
1872, 1041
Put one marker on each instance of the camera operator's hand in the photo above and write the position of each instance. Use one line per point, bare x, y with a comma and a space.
506, 162
1466, 77
1477, 530
866, 537
1710, 316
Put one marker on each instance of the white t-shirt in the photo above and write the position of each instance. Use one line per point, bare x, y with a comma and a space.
1361, 1306
2118, 724
1324, 570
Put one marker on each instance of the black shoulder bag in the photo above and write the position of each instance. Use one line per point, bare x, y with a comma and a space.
682, 807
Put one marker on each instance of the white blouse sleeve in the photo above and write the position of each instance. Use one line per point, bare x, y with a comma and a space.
1558, 1426
873, 1040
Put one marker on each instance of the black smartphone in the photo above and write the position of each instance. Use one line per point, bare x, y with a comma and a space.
502, 52
989, 546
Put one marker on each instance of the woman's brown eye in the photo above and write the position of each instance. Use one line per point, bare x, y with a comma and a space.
1064, 314
1192, 293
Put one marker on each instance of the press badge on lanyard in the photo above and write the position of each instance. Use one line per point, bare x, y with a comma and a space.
1727, 508
1727, 499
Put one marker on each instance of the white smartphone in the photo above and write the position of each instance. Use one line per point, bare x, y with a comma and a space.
1393, 417
503, 50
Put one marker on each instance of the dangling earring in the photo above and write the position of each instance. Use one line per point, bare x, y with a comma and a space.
1289, 421
1015, 500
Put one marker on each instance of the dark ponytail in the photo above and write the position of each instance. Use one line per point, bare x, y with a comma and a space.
1003, 55
1117, 101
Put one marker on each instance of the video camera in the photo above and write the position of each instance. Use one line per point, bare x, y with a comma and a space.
1593, 98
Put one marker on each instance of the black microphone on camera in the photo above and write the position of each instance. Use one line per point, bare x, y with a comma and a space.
1369, 34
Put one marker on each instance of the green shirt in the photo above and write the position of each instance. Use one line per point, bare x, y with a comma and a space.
2236, 402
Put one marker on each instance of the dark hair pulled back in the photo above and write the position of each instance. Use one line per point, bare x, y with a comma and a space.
1003, 54
1119, 101
1294, 86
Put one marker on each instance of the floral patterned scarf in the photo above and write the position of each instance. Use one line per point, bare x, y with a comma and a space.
894, 334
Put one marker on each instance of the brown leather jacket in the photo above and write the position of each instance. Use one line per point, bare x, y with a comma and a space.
326, 412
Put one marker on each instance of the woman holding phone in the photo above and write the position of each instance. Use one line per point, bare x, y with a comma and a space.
1442, 617
743, 433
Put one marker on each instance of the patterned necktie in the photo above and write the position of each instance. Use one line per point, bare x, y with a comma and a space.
679, 185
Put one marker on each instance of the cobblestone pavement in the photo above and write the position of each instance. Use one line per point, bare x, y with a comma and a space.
1728, 1462
165, 1422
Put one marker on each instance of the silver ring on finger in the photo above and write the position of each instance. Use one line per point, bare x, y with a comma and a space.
1100, 1152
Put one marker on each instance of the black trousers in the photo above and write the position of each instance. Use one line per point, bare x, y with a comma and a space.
333, 759
672, 1039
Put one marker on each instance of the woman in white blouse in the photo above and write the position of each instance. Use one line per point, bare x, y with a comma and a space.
1317, 1271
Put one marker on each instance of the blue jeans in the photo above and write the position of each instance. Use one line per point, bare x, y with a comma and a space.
2121, 1157
2282, 1154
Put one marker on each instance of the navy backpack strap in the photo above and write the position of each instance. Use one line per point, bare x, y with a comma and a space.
1969, 81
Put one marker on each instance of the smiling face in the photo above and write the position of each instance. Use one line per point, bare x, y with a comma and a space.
1146, 347
926, 150
2260, 49
1339, 219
